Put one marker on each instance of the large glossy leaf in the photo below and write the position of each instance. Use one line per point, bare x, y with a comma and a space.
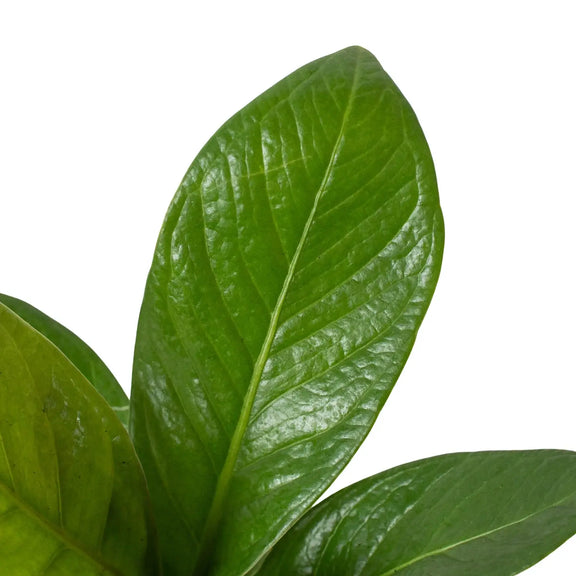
73, 497
486, 514
291, 274
77, 351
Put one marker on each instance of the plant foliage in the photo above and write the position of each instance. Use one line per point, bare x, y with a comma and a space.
292, 272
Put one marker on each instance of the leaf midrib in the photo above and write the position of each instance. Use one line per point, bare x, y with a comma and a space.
485, 534
223, 486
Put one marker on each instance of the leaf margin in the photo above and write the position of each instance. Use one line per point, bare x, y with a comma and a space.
307, 541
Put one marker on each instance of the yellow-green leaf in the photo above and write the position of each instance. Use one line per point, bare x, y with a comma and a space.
77, 351
73, 498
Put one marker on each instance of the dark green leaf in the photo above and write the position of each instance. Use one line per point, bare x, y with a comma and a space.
485, 513
77, 351
292, 272
73, 497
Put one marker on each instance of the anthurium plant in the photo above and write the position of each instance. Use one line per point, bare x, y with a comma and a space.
292, 272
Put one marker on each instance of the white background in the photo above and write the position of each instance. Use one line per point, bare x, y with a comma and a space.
103, 105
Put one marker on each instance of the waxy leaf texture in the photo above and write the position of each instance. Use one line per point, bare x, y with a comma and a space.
292, 272
291, 275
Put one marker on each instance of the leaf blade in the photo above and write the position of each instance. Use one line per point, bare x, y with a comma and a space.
225, 477
78, 352
490, 514
262, 260
72, 493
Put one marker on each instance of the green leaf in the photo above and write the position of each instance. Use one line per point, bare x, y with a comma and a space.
485, 513
73, 497
78, 352
292, 272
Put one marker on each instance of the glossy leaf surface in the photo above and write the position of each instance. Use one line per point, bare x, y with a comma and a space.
73, 498
292, 272
487, 514
77, 351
